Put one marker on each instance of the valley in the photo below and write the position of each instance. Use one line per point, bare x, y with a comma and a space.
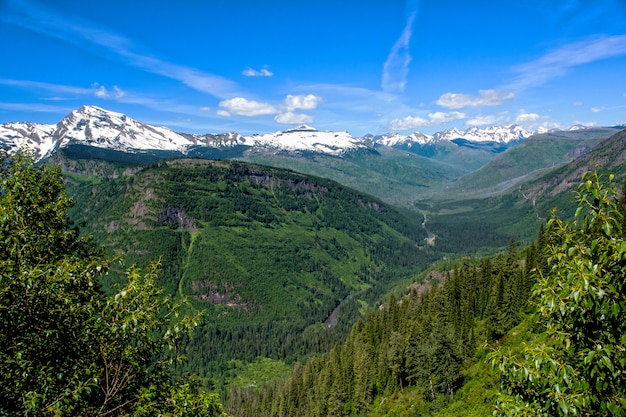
301, 256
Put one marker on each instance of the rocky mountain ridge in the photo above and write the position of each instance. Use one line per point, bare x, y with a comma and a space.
100, 128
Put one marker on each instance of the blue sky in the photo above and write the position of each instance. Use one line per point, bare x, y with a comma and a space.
365, 66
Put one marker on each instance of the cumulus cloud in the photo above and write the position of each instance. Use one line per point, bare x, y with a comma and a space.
524, 117
290, 118
409, 122
481, 120
484, 98
263, 72
415, 122
101, 92
303, 102
243, 107
441, 117
283, 112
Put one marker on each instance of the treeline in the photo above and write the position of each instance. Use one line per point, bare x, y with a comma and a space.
423, 340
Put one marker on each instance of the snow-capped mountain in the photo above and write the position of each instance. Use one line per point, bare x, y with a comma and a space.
396, 139
498, 134
306, 138
96, 127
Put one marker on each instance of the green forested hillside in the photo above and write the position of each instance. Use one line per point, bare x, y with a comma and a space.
67, 348
397, 177
530, 159
450, 347
421, 342
283, 264
269, 254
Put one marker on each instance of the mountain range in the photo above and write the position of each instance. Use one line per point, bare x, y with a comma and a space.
96, 127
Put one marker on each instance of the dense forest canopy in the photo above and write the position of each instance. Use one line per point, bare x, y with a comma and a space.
536, 330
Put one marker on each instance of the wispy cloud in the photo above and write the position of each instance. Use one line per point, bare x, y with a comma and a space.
484, 98
88, 36
49, 87
558, 62
263, 72
396, 67
416, 122
96, 89
35, 108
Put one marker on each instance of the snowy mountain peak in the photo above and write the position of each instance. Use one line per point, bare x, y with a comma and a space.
396, 139
500, 134
302, 128
305, 138
94, 126
97, 127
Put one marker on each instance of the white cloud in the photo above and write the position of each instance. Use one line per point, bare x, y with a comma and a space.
577, 103
556, 63
482, 120
415, 122
303, 102
441, 117
118, 92
101, 91
409, 122
284, 114
524, 117
243, 107
290, 118
484, 98
396, 67
263, 72
597, 109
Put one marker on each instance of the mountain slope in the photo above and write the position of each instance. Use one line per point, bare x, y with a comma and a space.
466, 224
537, 153
269, 253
